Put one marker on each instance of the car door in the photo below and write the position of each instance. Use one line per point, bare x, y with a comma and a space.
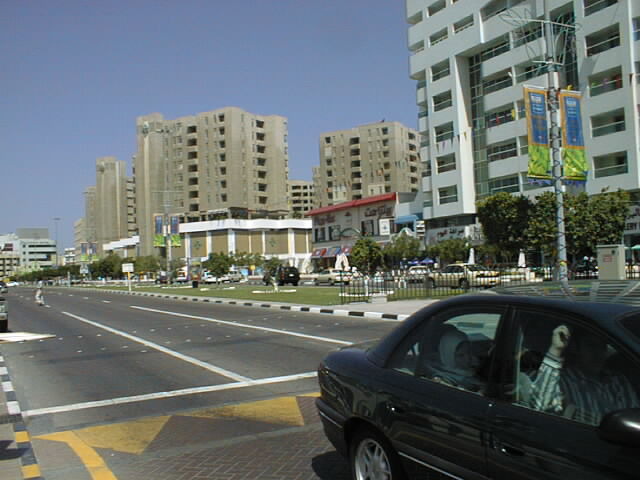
530, 442
433, 423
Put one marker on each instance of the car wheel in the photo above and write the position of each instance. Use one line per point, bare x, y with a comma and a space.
331, 282
431, 283
464, 284
295, 284
316, 282
372, 458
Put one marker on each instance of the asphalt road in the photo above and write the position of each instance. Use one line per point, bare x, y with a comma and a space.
128, 383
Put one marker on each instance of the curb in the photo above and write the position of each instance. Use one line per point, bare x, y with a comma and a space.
292, 308
28, 462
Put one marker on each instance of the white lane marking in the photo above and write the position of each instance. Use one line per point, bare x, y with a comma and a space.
169, 394
13, 408
106, 301
186, 358
251, 327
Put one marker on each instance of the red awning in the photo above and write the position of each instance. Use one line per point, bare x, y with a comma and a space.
332, 252
347, 250
318, 252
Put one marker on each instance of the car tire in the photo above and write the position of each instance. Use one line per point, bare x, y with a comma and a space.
372, 457
431, 283
464, 284
295, 284
316, 282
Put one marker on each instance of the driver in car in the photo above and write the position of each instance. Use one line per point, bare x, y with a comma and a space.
573, 382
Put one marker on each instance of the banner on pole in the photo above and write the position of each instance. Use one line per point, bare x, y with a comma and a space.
158, 237
535, 103
175, 231
573, 154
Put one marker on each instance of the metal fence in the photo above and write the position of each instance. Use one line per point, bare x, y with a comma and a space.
399, 285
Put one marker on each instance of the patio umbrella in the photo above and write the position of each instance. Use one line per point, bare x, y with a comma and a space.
342, 262
522, 261
472, 256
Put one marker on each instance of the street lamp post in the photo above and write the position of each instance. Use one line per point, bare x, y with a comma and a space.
56, 220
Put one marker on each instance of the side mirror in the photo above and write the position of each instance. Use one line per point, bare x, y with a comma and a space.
621, 427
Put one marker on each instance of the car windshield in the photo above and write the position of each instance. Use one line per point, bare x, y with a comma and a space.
477, 268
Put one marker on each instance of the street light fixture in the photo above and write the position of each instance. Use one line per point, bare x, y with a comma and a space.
56, 220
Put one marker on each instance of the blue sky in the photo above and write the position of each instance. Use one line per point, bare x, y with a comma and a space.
76, 74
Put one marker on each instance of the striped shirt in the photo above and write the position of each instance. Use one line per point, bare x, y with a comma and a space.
570, 393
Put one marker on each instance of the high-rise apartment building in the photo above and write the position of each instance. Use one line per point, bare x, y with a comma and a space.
471, 60
114, 194
367, 160
218, 164
300, 196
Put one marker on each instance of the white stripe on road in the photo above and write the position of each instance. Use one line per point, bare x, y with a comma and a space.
160, 395
173, 353
241, 325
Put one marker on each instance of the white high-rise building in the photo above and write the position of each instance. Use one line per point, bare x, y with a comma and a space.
471, 59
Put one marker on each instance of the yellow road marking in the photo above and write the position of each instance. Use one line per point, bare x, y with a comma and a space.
30, 471
94, 463
22, 437
283, 410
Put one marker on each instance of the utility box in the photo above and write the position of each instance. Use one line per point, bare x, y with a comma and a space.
611, 265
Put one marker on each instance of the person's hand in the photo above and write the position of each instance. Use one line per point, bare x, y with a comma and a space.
559, 340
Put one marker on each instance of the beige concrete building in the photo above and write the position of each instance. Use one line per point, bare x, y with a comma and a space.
226, 163
367, 160
114, 191
301, 193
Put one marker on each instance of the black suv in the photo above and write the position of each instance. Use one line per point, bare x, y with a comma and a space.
283, 275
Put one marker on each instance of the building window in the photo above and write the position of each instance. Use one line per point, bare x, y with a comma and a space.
593, 6
604, 82
603, 40
531, 32
436, 7
610, 164
497, 82
446, 163
438, 37
504, 184
442, 101
500, 116
607, 123
463, 24
440, 70
319, 234
448, 194
444, 132
502, 150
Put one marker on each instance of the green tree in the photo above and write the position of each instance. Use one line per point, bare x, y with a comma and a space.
109, 266
147, 263
451, 250
402, 246
609, 211
541, 230
218, 264
504, 219
367, 256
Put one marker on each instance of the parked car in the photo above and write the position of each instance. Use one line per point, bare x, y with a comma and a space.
418, 274
491, 386
332, 276
283, 275
226, 278
3, 287
464, 275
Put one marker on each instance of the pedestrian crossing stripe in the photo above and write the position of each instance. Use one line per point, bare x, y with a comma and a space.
12, 337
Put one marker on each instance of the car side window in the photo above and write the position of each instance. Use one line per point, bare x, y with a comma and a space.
452, 350
563, 368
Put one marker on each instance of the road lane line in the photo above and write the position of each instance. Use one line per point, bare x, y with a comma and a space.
241, 325
173, 353
161, 395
